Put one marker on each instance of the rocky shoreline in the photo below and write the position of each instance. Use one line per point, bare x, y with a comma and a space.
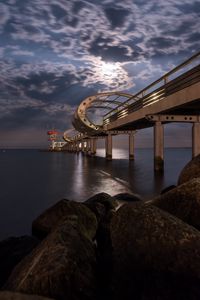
108, 247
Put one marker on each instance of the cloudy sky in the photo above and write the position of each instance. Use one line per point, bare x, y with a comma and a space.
53, 54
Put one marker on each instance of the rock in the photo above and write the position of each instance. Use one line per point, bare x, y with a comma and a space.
108, 201
98, 209
161, 285
182, 202
126, 197
100, 204
104, 255
103, 205
54, 215
167, 189
12, 251
190, 171
150, 245
6, 295
63, 266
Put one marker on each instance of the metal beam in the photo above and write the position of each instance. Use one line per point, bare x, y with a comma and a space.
174, 118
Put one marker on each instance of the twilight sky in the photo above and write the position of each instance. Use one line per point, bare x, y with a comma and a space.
54, 53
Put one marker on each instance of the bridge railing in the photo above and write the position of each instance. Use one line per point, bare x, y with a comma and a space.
168, 84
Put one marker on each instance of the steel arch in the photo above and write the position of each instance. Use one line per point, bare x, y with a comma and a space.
108, 100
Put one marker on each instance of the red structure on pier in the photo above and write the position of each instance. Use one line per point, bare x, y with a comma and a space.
52, 134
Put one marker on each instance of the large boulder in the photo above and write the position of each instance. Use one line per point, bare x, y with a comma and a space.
104, 255
190, 171
127, 197
12, 251
104, 206
152, 250
167, 189
57, 213
63, 266
101, 203
182, 202
6, 295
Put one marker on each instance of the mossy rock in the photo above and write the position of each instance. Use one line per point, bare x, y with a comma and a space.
59, 212
190, 171
151, 245
63, 266
6, 295
182, 201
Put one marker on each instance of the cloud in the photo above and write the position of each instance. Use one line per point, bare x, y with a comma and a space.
4, 15
23, 53
53, 53
116, 17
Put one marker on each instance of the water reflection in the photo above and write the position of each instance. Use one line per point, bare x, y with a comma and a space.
31, 181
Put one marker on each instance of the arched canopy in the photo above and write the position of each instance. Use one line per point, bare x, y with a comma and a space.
101, 102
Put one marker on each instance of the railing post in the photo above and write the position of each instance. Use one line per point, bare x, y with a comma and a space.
109, 147
166, 79
195, 139
158, 146
131, 146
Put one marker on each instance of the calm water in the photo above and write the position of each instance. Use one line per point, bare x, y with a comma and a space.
31, 180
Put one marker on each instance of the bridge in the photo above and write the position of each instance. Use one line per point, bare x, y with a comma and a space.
175, 97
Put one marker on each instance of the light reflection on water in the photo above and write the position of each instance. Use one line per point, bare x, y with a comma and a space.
31, 181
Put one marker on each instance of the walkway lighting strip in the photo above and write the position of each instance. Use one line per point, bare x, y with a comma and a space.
163, 78
122, 113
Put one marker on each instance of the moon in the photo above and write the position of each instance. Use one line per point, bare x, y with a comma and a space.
109, 69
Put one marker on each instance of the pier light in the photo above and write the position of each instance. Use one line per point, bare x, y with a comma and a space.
122, 113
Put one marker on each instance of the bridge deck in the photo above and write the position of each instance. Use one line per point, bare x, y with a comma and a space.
179, 96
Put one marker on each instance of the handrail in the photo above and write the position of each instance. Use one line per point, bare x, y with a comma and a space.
164, 77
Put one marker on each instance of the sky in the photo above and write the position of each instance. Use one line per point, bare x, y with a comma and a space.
54, 53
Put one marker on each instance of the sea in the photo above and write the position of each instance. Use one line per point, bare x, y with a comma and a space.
32, 180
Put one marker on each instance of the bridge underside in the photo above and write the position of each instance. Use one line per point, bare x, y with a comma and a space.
192, 108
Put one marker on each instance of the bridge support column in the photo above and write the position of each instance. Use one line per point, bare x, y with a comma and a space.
93, 146
109, 147
82, 146
131, 146
158, 146
195, 139
77, 147
88, 146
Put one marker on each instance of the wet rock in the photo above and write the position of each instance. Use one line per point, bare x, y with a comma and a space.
103, 205
6, 295
161, 285
63, 266
100, 204
104, 255
98, 209
12, 251
56, 214
126, 197
190, 171
108, 201
182, 202
167, 189
149, 247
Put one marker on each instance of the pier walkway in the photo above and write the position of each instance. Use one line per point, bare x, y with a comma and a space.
175, 97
